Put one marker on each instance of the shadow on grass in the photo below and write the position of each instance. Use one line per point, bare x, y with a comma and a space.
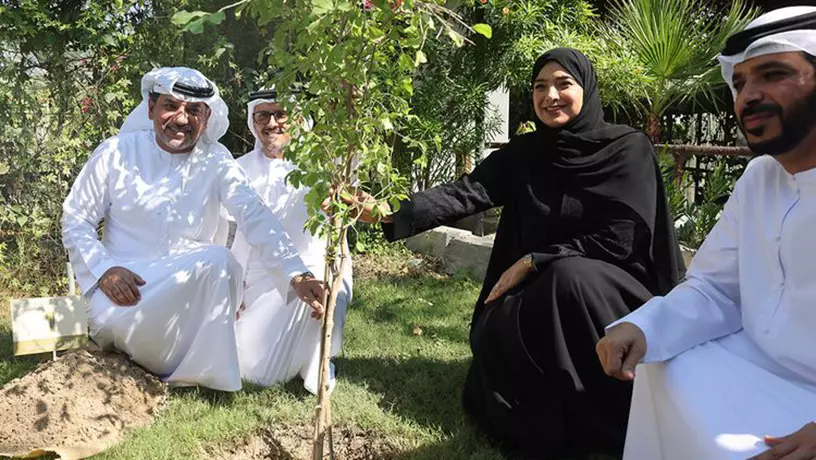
425, 391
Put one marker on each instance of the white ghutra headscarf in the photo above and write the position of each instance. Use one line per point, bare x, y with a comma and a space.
783, 30
186, 85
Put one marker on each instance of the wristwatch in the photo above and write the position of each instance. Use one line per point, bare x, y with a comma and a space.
303, 275
528, 262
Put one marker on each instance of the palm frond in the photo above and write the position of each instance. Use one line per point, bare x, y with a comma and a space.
677, 43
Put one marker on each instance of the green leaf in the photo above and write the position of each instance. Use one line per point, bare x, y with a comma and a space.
483, 29
110, 97
375, 32
386, 122
405, 63
183, 17
408, 85
195, 27
420, 58
218, 17
314, 25
109, 40
322, 6
22, 220
457, 38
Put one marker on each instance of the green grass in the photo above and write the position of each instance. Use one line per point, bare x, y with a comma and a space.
405, 388
10, 366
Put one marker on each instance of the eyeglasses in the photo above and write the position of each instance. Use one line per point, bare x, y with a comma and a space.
262, 117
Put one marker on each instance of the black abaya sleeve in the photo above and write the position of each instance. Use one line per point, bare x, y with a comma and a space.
484, 188
617, 241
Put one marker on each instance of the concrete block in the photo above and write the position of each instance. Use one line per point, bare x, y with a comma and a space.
434, 242
469, 254
459, 250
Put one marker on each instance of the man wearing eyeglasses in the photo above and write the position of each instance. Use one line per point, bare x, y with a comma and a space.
277, 339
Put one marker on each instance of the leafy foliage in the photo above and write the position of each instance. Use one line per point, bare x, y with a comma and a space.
63, 86
675, 45
697, 209
69, 74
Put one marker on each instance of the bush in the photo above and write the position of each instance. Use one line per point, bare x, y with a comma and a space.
696, 209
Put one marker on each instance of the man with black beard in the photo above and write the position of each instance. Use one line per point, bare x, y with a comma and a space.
731, 351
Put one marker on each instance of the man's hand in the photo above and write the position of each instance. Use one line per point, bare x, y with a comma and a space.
364, 205
511, 278
121, 286
311, 291
797, 446
621, 350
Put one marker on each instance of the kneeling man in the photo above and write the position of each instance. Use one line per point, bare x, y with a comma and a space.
277, 338
158, 289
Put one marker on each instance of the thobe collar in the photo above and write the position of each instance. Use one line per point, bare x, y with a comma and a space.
805, 177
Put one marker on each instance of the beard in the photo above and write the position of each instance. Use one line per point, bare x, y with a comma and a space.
276, 142
796, 123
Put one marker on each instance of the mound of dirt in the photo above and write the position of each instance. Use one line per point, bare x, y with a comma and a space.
77, 406
295, 443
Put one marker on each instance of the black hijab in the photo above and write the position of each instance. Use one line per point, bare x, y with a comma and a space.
604, 160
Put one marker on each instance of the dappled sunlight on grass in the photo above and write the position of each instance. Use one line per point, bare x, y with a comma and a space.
400, 378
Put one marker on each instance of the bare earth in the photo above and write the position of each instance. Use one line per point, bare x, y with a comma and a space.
295, 443
77, 406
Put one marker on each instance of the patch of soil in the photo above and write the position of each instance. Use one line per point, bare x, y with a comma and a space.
295, 443
373, 266
78, 405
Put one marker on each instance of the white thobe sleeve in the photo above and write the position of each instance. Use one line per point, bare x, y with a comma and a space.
259, 226
706, 305
82, 211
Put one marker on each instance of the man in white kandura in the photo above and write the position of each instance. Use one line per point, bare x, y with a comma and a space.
277, 339
737, 339
158, 289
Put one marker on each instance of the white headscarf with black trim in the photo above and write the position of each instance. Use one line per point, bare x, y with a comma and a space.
783, 30
186, 85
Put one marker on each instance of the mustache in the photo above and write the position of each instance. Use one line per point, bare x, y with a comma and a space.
765, 107
172, 123
169, 123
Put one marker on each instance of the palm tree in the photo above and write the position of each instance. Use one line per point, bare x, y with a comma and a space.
676, 44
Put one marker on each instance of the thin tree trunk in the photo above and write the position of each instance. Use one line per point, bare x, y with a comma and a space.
319, 429
335, 278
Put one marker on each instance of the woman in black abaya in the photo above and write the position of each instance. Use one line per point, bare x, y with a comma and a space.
585, 237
